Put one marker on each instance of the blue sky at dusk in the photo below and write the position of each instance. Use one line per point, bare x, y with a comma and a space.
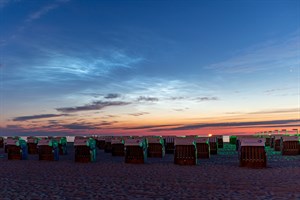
149, 67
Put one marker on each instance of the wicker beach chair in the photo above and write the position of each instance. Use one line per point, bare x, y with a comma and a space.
117, 146
85, 149
16, 149
276, 143
185, 151
32, 145
203, 147
135, 150
100, 141
252, 153
48, 149
1, 142
169, 144
289, 145
213, 145
220, 141
107, 146
156, 147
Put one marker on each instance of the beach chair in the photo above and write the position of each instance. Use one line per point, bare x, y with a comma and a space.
32, 145
16, 149
85, 149
156, 147
7, 139
213, 145
135, 150
252, 153
169, 144
289, 145
100, 142
276, 143
203, 147
48, 149
220, 141
107, 146
117, 146
185, 151
1, 142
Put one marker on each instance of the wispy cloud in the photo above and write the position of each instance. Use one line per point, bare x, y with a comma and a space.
207, 98
232, 124
97, 105
139, 114
266, 56
44, 10
112, 96
31, 117
144, 98
275, 111
4, 3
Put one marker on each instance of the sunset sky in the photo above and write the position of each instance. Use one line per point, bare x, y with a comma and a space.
149, 67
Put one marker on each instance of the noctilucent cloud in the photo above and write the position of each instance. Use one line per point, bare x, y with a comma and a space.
149, 67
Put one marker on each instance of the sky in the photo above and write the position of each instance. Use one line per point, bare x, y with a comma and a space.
129, 67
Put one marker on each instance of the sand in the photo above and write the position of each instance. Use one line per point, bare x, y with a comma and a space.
219, 177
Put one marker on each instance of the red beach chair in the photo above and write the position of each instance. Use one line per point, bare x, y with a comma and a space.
213, 145
1, 142
135, 150
82, 150
252, 153
156, 147
117, 146
32, 145
169, 144
203, 147
185, 151
289, 145
13, 151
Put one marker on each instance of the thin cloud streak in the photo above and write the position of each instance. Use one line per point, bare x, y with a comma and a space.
32, 117
96, 105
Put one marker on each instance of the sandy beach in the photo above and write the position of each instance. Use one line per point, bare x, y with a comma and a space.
219, 177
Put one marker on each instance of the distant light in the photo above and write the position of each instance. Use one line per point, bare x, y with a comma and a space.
209, 135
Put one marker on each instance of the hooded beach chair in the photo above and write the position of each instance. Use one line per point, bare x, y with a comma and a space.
185, 151
117, 146
16, 149
276, 142
213, 145
48, 149
220, 141
85, 149
232, 139
107, 146
135, 150
203, 147
252, 153
32, 145
1, 142
289, 145
100, 141
156, 147
169, 144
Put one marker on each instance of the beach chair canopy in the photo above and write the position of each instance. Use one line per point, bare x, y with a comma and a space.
184, 141
134, 142
199, 140
290, 138
252, 142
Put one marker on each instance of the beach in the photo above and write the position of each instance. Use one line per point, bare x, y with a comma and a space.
219, 177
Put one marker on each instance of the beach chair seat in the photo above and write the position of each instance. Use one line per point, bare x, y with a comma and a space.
203, 147
135, 150
82, 154
185, 151
252, 153
289, 145
156, 147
